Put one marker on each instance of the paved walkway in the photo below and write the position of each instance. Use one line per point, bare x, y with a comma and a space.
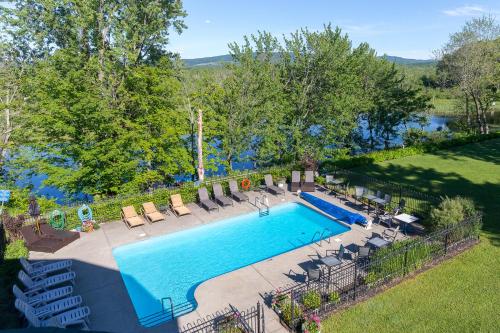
100, 284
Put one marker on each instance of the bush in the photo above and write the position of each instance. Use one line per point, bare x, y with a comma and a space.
13, 225
15, 250
452, 211
286, 312
333, 297
311, 300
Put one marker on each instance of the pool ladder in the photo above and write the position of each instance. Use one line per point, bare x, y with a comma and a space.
262, 203
321, 234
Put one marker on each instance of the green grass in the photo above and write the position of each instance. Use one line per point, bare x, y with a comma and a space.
450, 106
462, 294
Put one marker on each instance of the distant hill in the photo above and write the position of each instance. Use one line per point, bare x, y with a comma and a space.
226, 58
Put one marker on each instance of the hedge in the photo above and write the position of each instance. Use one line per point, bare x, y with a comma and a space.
110, 209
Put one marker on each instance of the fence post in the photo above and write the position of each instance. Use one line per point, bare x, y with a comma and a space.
258, 317
292, 308
446, 241
405, 269
355, 278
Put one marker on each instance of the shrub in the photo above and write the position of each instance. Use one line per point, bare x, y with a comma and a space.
334, 297
286, 312
312, 324
13, 225
15, 250
311, 300
452, 211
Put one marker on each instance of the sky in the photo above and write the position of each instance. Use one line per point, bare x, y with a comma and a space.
410, 29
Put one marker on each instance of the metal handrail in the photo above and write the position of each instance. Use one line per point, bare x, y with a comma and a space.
321, 236
314, 235
171, 305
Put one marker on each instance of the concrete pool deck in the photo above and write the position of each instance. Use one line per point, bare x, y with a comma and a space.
100, 284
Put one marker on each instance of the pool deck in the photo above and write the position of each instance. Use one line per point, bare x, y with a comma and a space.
100, 284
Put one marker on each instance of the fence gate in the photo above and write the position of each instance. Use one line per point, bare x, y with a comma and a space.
230, 320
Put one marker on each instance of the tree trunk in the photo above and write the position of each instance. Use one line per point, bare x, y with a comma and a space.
193, 155
467, 113
201, 170
478, 115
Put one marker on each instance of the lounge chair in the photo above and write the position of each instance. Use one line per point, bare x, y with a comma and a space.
131, 218
295, 184
38, 270
177, 206
78, 316
235, 192
335, 259
205, 201
35, 287
151, 213
359, 192
220, 197
51, 309
390, 234
313, 274
271, 188
308, 185
43, 298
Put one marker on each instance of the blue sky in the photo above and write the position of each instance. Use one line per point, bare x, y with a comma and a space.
411, 29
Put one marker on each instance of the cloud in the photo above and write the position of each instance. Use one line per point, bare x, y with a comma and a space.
467, 11
208, 21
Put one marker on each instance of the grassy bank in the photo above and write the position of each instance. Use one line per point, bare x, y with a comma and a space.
463, 294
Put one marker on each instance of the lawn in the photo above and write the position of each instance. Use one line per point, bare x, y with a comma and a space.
462, 294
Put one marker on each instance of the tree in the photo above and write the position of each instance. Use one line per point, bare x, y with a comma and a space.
11, 99
470, 59
103, 111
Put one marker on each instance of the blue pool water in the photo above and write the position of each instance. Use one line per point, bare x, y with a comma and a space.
175, 264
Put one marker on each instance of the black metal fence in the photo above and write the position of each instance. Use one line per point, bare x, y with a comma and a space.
230, 320
360, 277
3, 241
417, 203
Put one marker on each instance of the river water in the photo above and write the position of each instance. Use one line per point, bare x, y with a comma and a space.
435, 123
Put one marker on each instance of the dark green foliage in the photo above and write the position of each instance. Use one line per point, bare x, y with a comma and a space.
9, 267
311, 300
333, 297
451, 211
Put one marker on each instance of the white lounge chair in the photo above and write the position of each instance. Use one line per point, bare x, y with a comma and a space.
43, 298
40, 270
78, 316
35, 287
51, 309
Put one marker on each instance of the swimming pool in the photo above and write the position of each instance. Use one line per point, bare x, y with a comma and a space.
173, 265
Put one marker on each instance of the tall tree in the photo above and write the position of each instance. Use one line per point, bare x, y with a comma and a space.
103, 94
470, 59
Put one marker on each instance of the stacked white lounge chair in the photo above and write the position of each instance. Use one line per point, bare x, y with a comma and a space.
47, 300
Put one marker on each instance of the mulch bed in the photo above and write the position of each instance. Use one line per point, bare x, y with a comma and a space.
50, 239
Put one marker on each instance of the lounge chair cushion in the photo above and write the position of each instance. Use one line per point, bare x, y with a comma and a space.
134, 221
149, 208
155, 216
176, 200
129, 211
182, 210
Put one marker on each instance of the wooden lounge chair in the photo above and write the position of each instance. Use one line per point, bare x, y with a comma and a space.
131, 218
205, 201
308, 185
295, 185
235, 192
177, 206
151, 213
271, 188
220, 197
